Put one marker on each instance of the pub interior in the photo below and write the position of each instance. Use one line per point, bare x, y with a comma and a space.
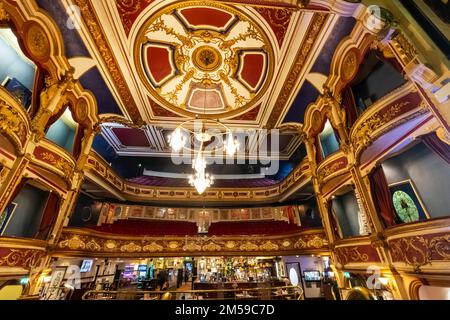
224, 150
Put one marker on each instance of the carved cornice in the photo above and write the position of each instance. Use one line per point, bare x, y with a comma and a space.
79, 242
315, 28
391, 111
97, 33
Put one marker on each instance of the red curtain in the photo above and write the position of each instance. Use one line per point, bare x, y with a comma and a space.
438, 146
382, 196
318, 150
351, 111
49, 217
78, 141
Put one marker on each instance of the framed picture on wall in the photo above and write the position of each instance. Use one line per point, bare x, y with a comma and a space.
407, 203
54, 287
6, 215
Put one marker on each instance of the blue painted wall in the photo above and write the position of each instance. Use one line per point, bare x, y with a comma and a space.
27, 217
329, 143
346, 209
13, 66
429, 173
61, 134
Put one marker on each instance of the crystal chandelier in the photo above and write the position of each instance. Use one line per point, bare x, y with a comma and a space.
201, 180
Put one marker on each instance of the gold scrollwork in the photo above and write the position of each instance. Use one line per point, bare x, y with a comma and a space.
22, 258
153, 247
37, 41
60, 163
375, 122
131, 247
11, 123
418, 251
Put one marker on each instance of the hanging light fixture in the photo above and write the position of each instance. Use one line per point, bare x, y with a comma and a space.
176, 140
201, 180
231, 145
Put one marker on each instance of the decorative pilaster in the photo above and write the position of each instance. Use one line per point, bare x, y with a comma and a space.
12, 180
309, 143
52, 100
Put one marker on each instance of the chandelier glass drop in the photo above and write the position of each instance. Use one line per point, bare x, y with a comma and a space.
188, 132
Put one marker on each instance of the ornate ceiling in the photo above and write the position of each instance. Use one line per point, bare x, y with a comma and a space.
196, 59
248, 64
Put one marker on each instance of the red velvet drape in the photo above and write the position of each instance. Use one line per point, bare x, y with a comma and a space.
78, 140
49, 217
351, 111
382, 196
318, 150
438, 146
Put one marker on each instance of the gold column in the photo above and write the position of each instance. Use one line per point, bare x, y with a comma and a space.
68, 202
52, 100
12, 180
321, 202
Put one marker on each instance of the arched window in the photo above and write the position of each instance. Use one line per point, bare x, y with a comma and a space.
64, 131
17, 72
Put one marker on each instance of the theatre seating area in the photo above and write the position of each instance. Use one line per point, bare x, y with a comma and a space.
148, 228
252, 228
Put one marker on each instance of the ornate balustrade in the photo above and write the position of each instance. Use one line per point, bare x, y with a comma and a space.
19, 256
54, 159
420, 247
399, 106
356, 253
81, 242
14, 121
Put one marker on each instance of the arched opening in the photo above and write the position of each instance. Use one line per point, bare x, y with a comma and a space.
63, 131
328, 140
17, 71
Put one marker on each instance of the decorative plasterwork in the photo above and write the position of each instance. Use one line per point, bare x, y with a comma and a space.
316, 25
204, 58
14, 121
391, 111
152, 141
18, 253
83, 242
357, 254
97, 33
421, 245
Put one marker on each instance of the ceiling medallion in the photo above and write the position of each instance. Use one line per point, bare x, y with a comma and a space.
193, 44
206, 58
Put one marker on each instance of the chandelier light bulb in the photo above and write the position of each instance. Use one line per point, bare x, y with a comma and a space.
199, 164
176, 140
231, 146
201, 181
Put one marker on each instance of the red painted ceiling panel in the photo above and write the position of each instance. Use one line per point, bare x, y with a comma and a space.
131, 137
